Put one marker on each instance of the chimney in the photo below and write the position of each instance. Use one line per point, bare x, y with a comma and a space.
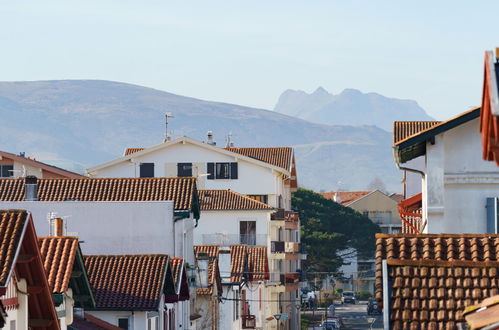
209, 138
30, 188
224, 263
202, 275
336, 197
57, 227
230, 143
22, 154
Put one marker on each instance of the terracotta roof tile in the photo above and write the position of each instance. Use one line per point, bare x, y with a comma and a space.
435, 276
90, 322
180, 190
127, 282
129, 151
213, 272
228, 200
58, 254
177, 267
345, 197
277, 156
12, 223
404, 129
258, 264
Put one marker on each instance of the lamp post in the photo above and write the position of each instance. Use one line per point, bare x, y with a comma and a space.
277, 317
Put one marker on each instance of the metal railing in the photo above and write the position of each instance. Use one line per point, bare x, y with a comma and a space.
277, 247
230, 239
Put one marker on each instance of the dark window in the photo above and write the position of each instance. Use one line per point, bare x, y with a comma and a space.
247, 232
233, 170
184, 169
6, 171
123, 323
147, 170
260, 198
222, 170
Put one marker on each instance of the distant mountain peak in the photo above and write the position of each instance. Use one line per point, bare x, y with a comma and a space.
350, 107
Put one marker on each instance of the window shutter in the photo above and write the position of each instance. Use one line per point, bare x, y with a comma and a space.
233, 170
211, 171
492, 221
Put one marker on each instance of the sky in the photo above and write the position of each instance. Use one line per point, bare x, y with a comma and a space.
249, 52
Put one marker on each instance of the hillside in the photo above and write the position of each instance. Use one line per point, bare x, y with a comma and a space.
350, 107
79, 123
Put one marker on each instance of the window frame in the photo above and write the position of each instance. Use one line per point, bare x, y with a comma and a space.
182, 172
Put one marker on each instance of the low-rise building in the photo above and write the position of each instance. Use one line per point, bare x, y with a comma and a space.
130, 290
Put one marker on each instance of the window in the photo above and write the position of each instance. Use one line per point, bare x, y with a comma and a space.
123, 323
492, 215
222, 171
247, 232
184, 169
147, 170
260, 198
6, 171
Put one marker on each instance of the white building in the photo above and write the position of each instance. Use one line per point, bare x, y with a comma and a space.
265, 174
456, 184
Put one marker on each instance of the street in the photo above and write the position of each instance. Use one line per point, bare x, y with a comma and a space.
354, 316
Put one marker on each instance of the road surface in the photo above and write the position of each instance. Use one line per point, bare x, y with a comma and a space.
354, 316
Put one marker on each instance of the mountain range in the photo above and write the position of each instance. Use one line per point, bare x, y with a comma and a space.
79, 123
350, 107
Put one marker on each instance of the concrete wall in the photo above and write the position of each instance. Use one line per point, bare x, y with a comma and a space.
458, 182
109, 227
137, 319
377, 201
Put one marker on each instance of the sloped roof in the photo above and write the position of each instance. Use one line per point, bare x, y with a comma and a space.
58, 254
435, 276
277, 156
484, 314
128, 282
34, 163
181, 190
258, 263
345, 197
489, 116
211, 200
404, 129
129, 151
415, 145
90, 322
12, 226
213, 271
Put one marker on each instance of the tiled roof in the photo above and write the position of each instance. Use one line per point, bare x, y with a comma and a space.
435, 276
345, 197
177, 265
58, 254
277, 156
258, 263
404, 129
127, 282
12, 223
213, 271
90, 322
180, 190
34, 163
129, 151
484, 314
228, 200
397, 197
238, 257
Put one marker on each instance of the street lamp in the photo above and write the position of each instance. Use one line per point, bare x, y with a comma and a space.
277, 317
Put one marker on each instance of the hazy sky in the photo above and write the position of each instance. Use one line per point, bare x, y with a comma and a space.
249, 52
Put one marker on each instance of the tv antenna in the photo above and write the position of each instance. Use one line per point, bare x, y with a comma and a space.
168, 136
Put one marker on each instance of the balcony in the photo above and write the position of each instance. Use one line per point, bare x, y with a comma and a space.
277, 247
292, 247
230, 239
290, 278
291, 216
249, 321
280, 214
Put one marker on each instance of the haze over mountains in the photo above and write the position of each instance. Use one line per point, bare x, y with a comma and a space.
350, 107
79, 123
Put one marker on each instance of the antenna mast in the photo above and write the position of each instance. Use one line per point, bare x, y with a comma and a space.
167, 135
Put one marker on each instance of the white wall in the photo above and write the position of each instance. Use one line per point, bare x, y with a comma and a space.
413, 184
459, 181
227, 222
109, 227
137, 319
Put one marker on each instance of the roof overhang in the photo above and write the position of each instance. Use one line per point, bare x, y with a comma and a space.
184, 140
415, 145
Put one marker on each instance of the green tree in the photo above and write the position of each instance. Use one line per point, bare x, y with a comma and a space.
328, 229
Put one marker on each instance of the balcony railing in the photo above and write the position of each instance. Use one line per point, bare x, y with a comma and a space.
291, 216
280, 214
229, 239
277, 247
249, 321
292, 247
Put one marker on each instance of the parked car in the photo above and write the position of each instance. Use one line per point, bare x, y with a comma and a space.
348, 297
373, 307
331, 325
